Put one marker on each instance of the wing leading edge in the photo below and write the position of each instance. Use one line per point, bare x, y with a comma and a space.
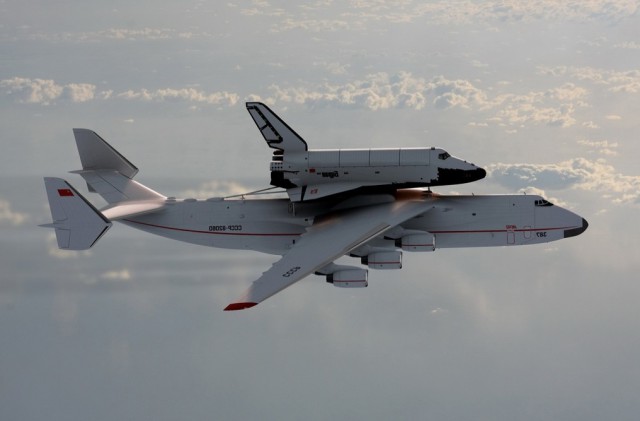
326, 240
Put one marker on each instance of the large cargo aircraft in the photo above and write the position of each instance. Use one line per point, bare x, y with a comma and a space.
372, 219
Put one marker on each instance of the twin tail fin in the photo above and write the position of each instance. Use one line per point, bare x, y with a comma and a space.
77, 223
107, 172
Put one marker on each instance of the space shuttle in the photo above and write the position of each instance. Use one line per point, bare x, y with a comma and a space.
309, 174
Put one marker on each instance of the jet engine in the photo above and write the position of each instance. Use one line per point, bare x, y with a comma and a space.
349, 278
417, 242
383, 260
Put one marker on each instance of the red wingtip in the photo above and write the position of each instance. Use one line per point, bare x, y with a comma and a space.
239, 306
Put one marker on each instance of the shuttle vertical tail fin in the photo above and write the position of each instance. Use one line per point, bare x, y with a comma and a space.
274, 130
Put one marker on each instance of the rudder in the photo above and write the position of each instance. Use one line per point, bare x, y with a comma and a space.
107, 172
97, 154
78, 224
275, 131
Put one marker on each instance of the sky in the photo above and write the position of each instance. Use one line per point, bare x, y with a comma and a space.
543, 94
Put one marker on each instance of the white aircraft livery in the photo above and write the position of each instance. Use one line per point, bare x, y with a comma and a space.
375, 222
313, 174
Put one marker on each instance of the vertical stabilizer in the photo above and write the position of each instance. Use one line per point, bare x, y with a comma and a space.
107, 172
77, 223
97, 154
274, 130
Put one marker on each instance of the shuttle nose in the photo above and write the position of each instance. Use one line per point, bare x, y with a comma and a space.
576, 231
449, 176
475, 174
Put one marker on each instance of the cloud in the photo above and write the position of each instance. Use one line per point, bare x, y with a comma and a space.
554, 107
601, 147
316, 25
630, 45
182, 94
627, 81
81, 92
118, 34
216, 188
379, 91
32, 91
262, 8
116, 275
47, 91
9, 216
362, 14
334, 68
547, 10
578, 173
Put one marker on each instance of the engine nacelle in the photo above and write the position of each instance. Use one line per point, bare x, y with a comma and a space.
349, 278
417, 242
383, 260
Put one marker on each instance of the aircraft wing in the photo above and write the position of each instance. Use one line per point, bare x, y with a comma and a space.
326, 240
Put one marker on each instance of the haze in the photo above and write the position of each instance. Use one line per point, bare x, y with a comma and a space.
543, 94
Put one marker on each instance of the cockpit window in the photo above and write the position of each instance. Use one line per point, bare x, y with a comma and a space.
443, 156
543, 202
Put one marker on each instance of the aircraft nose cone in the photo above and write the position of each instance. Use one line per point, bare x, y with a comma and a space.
576, 231
449, 176
476, 174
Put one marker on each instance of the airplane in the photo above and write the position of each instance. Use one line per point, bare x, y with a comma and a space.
374, 223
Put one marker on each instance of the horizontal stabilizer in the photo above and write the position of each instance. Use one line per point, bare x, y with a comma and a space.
128, 209
78, 224
115, 187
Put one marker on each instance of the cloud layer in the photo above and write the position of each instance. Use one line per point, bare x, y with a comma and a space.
378, 91
362, 14
47, 92
579, 173
10, 217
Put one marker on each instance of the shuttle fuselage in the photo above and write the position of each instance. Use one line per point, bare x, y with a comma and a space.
313, 174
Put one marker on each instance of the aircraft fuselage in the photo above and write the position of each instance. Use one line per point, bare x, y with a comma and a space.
314, 174
273, 225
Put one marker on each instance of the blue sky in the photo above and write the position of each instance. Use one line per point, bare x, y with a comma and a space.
543, 94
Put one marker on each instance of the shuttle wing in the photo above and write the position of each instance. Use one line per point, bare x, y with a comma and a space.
326, 240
